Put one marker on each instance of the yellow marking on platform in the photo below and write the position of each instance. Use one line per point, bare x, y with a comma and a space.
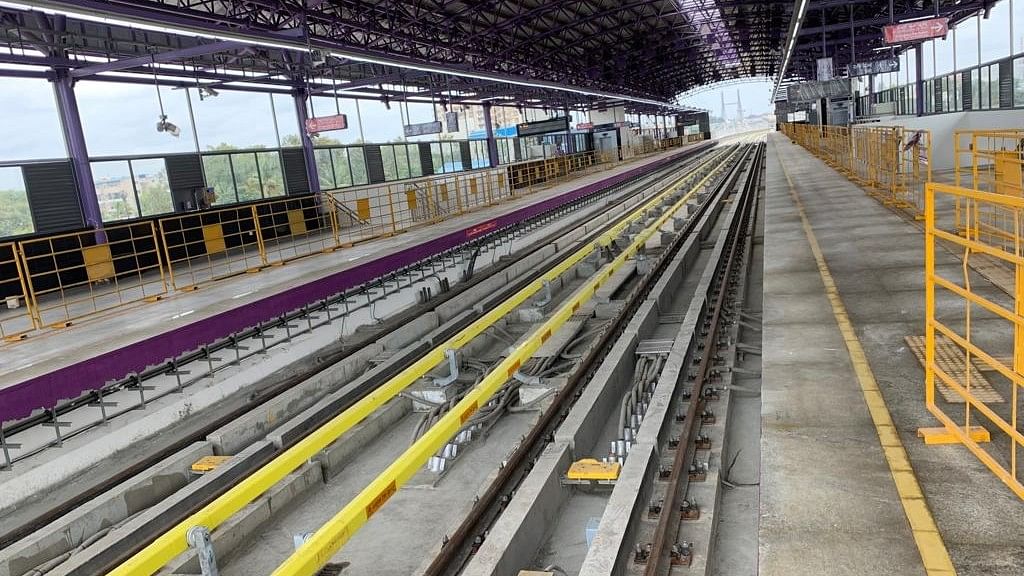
926, 534
941, 435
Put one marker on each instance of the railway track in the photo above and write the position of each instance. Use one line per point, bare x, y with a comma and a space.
15, 533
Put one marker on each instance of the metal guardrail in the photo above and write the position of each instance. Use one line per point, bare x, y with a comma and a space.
892, 162
968, 347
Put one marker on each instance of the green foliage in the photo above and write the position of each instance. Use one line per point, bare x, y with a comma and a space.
15, 216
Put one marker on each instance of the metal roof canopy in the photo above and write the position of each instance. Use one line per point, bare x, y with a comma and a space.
548, 53
853, 30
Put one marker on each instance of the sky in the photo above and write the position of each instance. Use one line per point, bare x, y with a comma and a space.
755, 95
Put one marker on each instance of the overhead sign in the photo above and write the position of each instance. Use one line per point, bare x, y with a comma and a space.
585, 126
825, 69
814, 91
560, 124
422, 129
451, 120
874, 67
917, 30
608, 126
326, 123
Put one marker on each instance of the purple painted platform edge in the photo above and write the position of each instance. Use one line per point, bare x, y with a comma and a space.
19, 400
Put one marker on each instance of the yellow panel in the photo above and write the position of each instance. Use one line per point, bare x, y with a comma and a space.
443, 192
939, 435
472, 186
363, 208
297, 222
99, 264
1008, 173
501, 181
213, 235
590, 469
410, 198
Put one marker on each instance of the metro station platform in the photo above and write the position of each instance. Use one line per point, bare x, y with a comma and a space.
847, 487
58, 364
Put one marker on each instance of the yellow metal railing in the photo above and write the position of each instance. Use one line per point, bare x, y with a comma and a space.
16, 316
892, 162
71, 276
173, 542
989, 161
54, 280
977, 329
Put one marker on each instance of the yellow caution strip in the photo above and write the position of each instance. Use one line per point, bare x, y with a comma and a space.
929, 542
173, 542
319, 549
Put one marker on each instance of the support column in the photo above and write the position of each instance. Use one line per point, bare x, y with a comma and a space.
71, 122
570, 138
492, 142
919, 82
299, 96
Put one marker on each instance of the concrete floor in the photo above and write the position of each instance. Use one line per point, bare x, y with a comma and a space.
49, 350
828, 500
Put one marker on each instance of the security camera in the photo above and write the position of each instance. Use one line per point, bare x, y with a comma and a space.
164, 126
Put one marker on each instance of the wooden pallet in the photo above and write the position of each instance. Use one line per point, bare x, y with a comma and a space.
950, 358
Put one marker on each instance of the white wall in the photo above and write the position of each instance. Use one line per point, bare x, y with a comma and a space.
942, 127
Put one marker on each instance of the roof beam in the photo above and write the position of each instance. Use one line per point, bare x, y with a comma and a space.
159, 57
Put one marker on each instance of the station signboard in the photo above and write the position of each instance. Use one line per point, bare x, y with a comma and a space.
814, 91
326, 123
422, 129
883, 66
560, 124
917, 30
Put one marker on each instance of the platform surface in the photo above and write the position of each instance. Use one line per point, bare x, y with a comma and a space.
48, 351
829, 504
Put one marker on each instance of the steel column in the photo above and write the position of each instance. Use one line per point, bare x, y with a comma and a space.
919, 82
71, 122
492, 142
299, 97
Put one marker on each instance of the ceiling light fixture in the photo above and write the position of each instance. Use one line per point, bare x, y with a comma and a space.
794, 32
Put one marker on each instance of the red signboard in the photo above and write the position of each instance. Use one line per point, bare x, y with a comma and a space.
584, 125
326, 123
918, 30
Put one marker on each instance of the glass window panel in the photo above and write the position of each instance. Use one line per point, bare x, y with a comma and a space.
912, 65
1018, 80
247, 177
387, 154
437, 157
995, 33
217, 168
929, 59
402, 160
287, 120
958, 85
993, 85
1018, 27
328, 106
130, 126
233, 119
415, 168
943, 55
115, 190
342, 173
29, 107
976, 89
357, 159
152, 187
967, 43
15, 215
324, 168
271, 175
379, 123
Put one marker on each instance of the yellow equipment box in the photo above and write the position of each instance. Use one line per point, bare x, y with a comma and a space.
591, 469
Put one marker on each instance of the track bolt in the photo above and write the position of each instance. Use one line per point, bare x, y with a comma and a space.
641, 553
654, 510
707, 416
682, 554
664, 472
702, 442
689, 510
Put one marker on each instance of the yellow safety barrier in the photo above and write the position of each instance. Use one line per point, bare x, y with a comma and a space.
990, 161
976, 340
892, 162
16, 316
319, 549
173, 542
71, 276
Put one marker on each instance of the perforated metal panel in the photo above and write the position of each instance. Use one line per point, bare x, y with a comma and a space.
296, 180
426, 159
374, 164
184, 175
965, 91
1006, 84
53, 196
467, 155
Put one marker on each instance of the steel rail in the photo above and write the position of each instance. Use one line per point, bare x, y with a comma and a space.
454, 553
173, 542
668, 522
319, 549
14, 533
